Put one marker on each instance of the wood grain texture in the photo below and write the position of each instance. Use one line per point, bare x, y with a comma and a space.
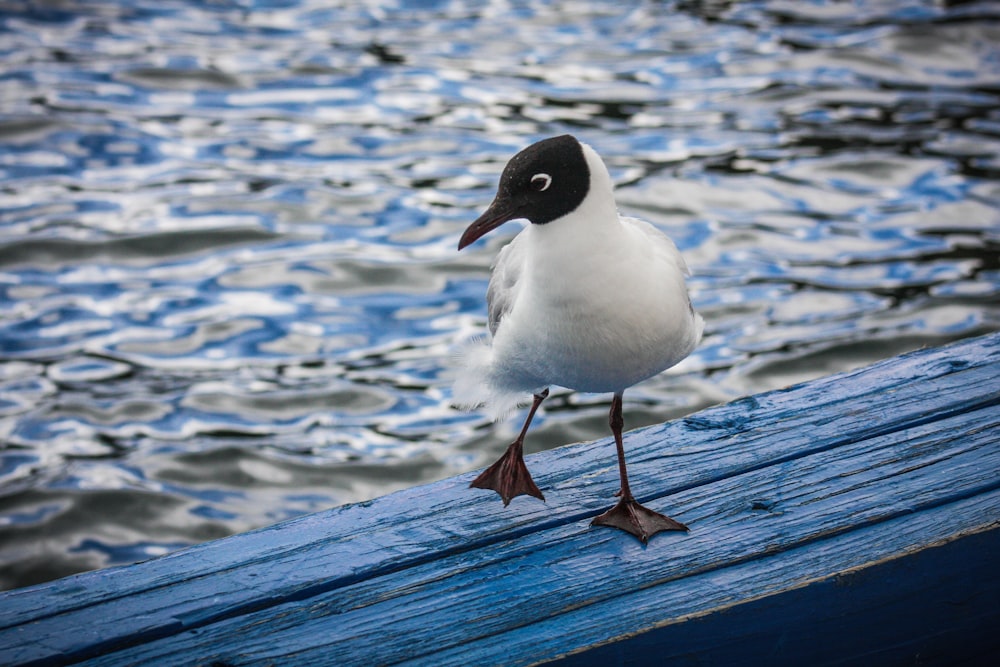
890, 468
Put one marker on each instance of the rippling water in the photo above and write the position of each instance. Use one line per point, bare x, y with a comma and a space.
229, 287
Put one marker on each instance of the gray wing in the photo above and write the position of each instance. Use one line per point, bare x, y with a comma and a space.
503, 288
663, 244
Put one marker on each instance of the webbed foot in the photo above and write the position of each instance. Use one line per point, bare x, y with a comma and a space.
509, 477
630, 516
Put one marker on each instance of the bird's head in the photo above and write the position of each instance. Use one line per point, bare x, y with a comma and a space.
542, 183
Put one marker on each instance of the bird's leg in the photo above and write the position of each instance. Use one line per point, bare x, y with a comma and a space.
628, 514
509, 476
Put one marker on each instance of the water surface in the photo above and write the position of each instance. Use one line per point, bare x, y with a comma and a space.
229, 289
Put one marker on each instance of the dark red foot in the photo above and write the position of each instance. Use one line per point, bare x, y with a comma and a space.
509, 477
632, 517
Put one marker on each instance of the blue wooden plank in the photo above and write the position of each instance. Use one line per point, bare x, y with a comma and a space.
475, 606
768, 452
935, 606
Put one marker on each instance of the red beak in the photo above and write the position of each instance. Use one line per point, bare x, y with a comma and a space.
497, 214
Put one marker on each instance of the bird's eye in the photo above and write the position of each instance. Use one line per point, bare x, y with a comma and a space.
541, 182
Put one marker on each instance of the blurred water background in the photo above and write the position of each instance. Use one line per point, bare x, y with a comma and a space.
229, 288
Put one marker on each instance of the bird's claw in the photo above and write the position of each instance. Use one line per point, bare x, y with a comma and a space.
630, 516
509, 477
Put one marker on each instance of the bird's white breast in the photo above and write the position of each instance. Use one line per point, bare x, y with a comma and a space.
599, 307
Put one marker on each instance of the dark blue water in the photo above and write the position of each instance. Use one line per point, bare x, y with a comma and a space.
229, 288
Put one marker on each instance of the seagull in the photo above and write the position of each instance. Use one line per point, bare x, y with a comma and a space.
582, 298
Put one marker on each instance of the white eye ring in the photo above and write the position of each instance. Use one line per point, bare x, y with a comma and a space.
541, 182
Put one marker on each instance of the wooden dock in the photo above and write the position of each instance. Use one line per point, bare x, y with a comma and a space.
854, 519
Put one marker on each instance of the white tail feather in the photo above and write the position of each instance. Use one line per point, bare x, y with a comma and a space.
473, 386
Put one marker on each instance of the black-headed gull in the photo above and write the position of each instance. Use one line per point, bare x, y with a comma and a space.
582, 298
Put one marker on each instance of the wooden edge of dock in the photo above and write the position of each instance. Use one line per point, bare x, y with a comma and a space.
853, 519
